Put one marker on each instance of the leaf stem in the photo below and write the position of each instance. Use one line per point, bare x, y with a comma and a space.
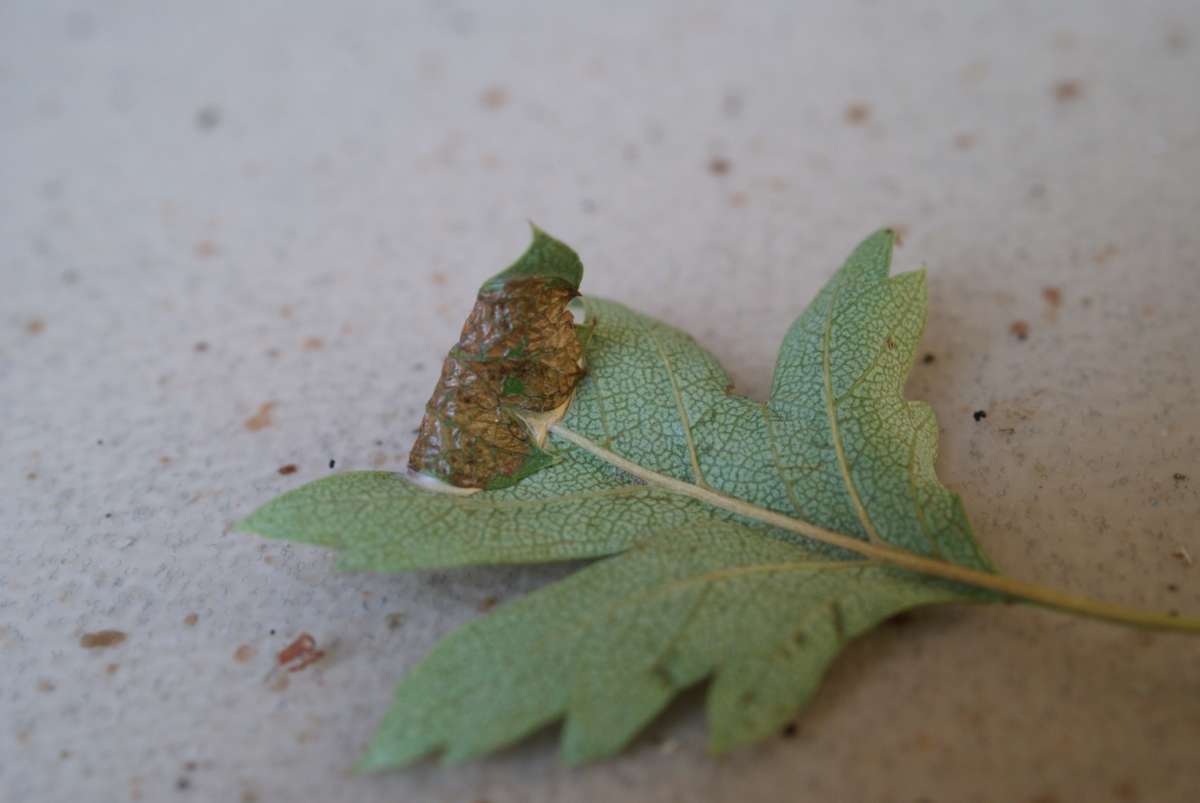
1011, 587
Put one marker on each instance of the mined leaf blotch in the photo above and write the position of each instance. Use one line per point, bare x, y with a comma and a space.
518, 353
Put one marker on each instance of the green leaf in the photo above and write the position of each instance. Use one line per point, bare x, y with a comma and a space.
706, 499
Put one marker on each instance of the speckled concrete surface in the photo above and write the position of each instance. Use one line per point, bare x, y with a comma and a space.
210, 207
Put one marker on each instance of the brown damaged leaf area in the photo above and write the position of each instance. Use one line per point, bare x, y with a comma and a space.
518, 353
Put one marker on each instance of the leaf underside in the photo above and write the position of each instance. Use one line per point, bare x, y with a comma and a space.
690, 591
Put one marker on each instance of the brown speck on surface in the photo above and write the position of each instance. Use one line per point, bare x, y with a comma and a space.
285, 312
45, 685
191, 619
111, 669
244, 653
1183, 556
164, 460
1179, 476
1019, 330
205, 249
1052, 296
929, 359
33, 475
964, 140
290, 468
207, 118
249, 796
739, 200
312, 344
494, 97
101, 638
857, 113
1176, 40
379, 459
395, 620
899, 234
1068, 90
183, 784
979, 415
438, 278
719, 166
200, 347
890, 343
35, 326
789, 730
300, 653
261, 419
1106, 253
486, 604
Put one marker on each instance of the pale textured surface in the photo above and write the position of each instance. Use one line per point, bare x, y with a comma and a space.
256, 180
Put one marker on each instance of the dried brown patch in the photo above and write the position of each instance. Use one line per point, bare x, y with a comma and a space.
286, 311
191, 619
33, 475
396, 620
857, 113
439, 278
111, 669
1019, 330
379, 459
486, 604
964, 141
719, 166
261, 419
739, 200
205, 249
1068, 90
1052, 296
164, 460
102, 638
312, 344
290, 468
494, 97
299, 654
36, 326
244, 653
899, 234
46, 685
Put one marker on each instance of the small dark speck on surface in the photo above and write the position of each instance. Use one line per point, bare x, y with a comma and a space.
979, 415
395, 620
101, 638
487, 603
494, 97
207, 118
36, 326
183, 784
290, 468
332, 463
929, 359
1179, 476
857, 113
200, 347
789, 730
1172, 587
1067, 91
1019, 329
719, 166
108, 515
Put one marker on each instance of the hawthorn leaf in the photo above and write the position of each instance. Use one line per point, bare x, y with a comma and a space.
700, 498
